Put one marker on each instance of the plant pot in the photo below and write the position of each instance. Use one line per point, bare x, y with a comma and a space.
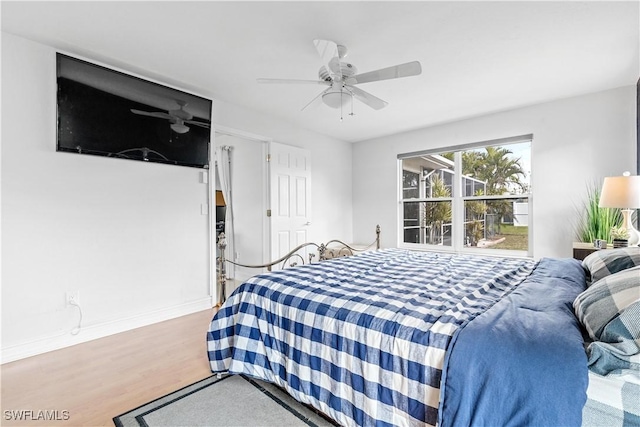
619, 243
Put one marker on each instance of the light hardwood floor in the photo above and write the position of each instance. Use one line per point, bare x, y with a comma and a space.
100, 379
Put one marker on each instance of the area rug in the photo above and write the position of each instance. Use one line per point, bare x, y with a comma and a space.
232, 400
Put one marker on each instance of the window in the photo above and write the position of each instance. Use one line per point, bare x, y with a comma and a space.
475, 198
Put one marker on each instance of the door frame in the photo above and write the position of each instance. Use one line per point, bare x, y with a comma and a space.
266, 225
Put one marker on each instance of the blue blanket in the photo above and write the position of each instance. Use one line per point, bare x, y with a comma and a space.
521, 363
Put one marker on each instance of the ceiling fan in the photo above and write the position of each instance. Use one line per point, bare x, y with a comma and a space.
341, 77
177, 118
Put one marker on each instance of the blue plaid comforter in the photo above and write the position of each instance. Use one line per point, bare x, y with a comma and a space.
363, 338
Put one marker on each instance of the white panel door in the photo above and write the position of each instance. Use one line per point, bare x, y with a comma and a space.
290, 199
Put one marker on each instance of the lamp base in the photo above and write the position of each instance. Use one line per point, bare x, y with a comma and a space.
634, 235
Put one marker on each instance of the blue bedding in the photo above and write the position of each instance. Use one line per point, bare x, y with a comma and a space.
398, 337
522, 362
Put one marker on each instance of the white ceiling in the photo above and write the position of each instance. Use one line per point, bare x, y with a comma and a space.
477, 57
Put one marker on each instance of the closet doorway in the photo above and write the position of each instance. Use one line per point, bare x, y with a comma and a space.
267, 204
241, 184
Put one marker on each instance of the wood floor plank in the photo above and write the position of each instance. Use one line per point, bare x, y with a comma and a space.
99, 379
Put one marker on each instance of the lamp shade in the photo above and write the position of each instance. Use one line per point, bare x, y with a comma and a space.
621, 192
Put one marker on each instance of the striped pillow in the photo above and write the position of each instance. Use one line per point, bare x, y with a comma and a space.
602, 263
606, 299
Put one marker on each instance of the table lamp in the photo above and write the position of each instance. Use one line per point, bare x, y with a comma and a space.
623, 192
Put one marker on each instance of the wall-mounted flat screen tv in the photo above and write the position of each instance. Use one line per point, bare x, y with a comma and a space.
104, 112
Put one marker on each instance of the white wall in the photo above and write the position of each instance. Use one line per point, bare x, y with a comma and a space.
575, 141
128, 235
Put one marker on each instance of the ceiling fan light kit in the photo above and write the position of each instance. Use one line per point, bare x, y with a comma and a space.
179, 128
341, 77
335, 99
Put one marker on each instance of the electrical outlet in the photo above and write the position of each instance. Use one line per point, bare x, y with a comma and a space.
73, 298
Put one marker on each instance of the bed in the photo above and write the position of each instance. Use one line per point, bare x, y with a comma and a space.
399, 337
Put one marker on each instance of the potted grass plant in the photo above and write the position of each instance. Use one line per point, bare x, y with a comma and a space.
596, 222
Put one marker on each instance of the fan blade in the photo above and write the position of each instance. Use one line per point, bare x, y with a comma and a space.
316, 98
317, 82
395, 72
201, 124
181, 114
152, 114
365, 97
328, 51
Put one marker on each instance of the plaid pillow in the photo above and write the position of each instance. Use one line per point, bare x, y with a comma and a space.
619, 347
602, 263
606, 299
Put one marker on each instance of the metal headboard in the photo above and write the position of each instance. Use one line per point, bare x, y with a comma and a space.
331, 249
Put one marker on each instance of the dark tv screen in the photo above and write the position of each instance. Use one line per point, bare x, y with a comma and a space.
104, 112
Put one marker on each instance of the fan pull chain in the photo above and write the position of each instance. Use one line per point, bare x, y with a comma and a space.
341, 104
351, 114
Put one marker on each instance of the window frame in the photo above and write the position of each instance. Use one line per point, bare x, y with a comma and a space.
458, 200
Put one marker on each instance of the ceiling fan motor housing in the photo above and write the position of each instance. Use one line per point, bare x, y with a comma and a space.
346, 70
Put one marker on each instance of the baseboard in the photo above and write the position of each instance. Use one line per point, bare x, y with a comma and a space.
89, 333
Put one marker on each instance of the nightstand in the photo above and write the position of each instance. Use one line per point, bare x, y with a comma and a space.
582, 249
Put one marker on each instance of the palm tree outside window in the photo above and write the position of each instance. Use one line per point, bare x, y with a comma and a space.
476, 198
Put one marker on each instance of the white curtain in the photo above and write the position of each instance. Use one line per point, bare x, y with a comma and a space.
223, 166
